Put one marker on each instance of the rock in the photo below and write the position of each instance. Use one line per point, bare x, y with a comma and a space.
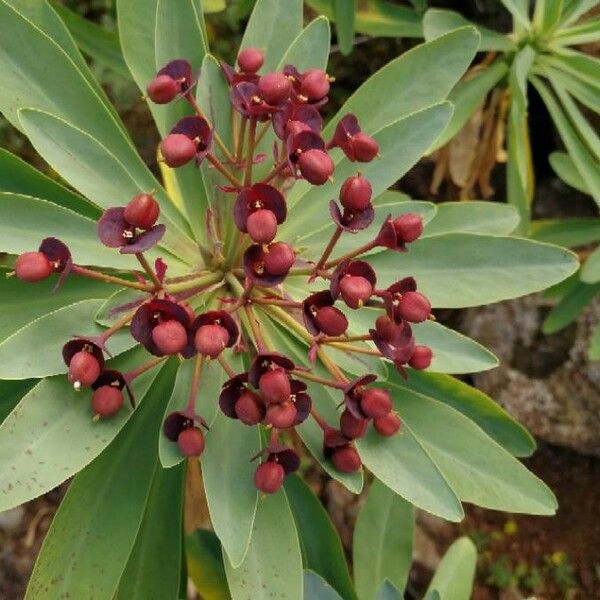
545, 381
10, 520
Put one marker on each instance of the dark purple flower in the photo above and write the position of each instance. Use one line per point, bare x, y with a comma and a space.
356, 145
247, 101
351, 221
293, 118
267, 362
320, 315
354, 281
198, 130
256, 197
115, 232
353, 395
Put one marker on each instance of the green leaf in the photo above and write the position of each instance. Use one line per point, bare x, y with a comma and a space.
228, 483
575, 9
570, 307
401, 145
588, 168
20, 233
388, 591
50, 435
205, 564
47, 335
453, 579
590, 271
437, 22
19, 177
95, 527
546, 14
594, 349
472, 217
383, 541
403, 464
272, 27
478, 469
565, 168
519, 10
344, 23
316, 588
468, 95
417, 79
153, 569
310, 48
272, 567
11, 393
572, 232
212, 378
95, 41
582, 66
213, 6
91, 168
378, 18
19, 306
321, 546
475, 405
461, 269
581, 33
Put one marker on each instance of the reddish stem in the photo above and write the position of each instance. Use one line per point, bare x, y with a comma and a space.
316, 379
226, 366
131, 375
83, 272
321, 422
328, 250
219, 166
353, 254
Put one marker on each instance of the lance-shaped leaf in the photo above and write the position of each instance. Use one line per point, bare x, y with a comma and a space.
320, 543
461, 269
153, 569
50, 435
205, 564
273, 564
316, 588
453, 579
95, 528
383, 541
47, 335
477, 468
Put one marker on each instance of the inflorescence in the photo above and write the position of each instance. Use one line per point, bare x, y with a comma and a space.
273, 391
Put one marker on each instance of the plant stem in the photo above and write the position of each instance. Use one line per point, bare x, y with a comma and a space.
198, 364
226, 366
241, 139
105, 335
355, 349
276, 302
255, 327
190, 98
110, 278
348, 338
310, 377
352, 254
149, 270
262, 132
131, 375
275, 171
199, 281
250, 152
328, 250
331, 366
321, 422
219, 166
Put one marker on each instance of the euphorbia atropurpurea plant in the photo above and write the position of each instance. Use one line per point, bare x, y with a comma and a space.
272, 291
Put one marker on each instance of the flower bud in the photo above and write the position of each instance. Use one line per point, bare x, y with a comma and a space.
421, 357
162, 89
352, 427
331, 321
210, 340
355, 290
346, 459
355, 193
275, 386
274, 88
413, 307
365, 147
262, 226
281, 415
375, 403
386, 328
177, 149
268, 477
279, 259
316, 166
142, 211
191, 442
315, 85
250, 60
33, 266
388, 425
170, 337
84, 369
408, 227
249, 409
107, 400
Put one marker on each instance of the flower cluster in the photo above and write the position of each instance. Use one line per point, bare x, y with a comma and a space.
273, 391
